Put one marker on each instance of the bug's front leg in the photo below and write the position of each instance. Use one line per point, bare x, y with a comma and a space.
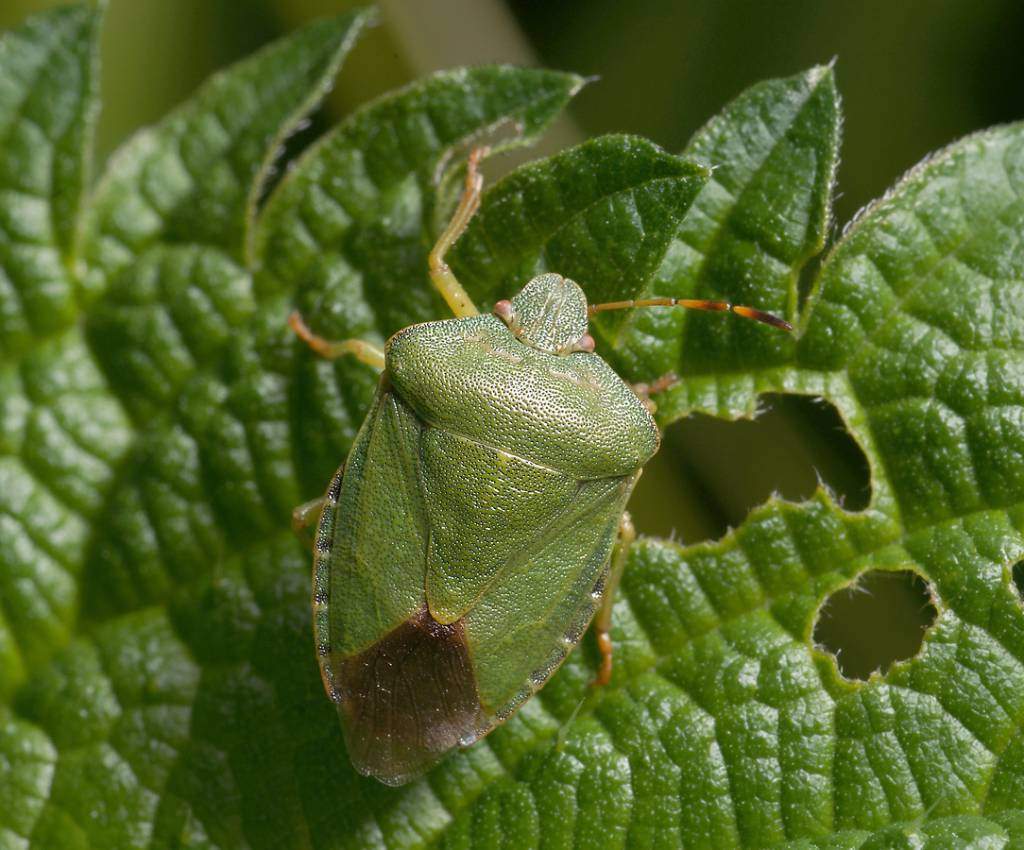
441, 275
603, 620
364, 352
645, 391
306, 515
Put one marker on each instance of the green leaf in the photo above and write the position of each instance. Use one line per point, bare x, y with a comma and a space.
158, 687
920, 307
48, 421
602, 213
195, 178
763, 214
375, 178
47, 112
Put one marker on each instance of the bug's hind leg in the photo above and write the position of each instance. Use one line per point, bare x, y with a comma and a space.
603, 620
305, 516
441, 275
364, 352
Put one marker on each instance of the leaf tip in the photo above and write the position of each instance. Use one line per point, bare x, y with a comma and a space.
582, 82
823, 74
341, 29
363, 17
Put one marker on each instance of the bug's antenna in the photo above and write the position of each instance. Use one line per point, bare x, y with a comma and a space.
696, 304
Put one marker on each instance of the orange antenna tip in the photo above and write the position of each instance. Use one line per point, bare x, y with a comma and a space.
696, 304
763, 317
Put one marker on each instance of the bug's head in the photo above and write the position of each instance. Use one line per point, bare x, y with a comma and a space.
550, 314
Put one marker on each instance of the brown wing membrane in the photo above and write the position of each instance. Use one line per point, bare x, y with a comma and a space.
408, 699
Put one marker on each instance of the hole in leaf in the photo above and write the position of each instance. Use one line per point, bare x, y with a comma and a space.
1018, 578
710, 472
875, 622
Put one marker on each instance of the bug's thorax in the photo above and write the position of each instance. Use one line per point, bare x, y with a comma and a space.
531, 391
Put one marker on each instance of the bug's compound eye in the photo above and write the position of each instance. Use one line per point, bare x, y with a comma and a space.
585, 344
507, 313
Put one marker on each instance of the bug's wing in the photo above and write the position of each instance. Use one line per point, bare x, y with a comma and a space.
522, 628
402, 683
372, 535
485, 507
409, 699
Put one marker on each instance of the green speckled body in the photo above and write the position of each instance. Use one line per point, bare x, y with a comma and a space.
464, 548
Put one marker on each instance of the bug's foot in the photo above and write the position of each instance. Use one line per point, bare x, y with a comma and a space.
304, 517
604, 672
645, 391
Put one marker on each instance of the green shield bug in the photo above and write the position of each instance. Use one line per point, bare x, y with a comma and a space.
479, 521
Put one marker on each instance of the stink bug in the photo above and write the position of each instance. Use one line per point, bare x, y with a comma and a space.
479, 520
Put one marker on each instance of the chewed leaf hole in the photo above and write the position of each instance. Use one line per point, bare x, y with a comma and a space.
875, 622
710, 472
1018, 578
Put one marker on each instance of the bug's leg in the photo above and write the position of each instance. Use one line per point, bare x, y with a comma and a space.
441, 275
365, 352
603, 620
306, 515
645, 391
